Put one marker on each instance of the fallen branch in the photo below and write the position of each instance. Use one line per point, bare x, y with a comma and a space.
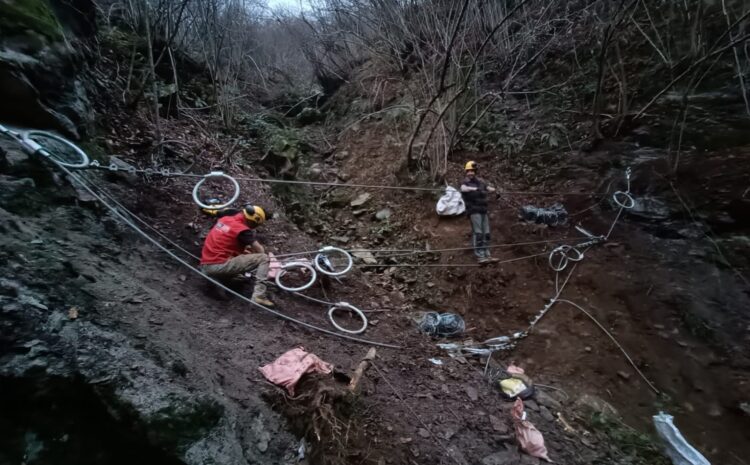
360, 371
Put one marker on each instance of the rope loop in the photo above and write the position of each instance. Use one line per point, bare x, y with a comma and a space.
36, 147
564, 251
624, 199
352, 308
560, 264
324, 265
286, 267
216, 174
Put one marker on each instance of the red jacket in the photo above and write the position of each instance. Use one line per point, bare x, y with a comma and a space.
222, 242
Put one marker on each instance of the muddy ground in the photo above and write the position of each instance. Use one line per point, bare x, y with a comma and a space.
670, 285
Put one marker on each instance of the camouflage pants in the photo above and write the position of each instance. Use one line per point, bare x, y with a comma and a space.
240, 265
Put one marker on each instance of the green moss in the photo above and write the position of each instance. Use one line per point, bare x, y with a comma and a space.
640, 448
120, 39
22, 16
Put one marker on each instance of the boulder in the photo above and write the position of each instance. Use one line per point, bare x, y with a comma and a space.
384, 214
365, 257
360, 200
41, 83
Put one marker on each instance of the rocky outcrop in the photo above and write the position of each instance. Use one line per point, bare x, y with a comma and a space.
78, 385
42, 63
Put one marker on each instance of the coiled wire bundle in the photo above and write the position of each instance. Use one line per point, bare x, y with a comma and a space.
442, 324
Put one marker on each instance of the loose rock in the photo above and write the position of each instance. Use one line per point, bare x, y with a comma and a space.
360, 200
383, 214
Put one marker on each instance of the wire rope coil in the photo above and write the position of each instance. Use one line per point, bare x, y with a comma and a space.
216, 174
292, 265
348, 306
627, 201
322, 256
37, 148
563, 251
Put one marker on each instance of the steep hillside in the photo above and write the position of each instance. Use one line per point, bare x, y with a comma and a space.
347, 123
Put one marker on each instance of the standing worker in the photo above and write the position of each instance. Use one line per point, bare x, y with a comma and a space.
474, 192
232, 249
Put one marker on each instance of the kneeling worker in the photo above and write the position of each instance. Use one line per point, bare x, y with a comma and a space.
231, 248
474, 192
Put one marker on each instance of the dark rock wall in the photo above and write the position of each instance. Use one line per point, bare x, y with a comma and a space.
42, 64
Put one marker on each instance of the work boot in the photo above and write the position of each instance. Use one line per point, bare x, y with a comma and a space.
477, 242
259, 295
262, 300
483, 260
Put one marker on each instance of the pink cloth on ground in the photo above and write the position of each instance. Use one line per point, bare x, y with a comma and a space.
274, 265
287, 370
529, 438
514, 369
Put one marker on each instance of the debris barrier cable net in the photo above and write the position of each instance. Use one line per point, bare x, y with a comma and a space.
195, 270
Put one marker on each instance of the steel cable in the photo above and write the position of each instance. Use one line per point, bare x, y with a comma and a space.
208, 278
167, 173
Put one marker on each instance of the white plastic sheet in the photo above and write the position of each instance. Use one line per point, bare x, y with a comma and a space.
675, 445
451, 203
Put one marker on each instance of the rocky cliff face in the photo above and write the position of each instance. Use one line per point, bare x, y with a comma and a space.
78, 383
42, 63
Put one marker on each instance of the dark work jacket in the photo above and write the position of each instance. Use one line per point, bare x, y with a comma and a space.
476, 201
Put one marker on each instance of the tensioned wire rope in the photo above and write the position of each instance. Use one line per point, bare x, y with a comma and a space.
178, 246
195, 270
559, 290
167, 173
408, 251
298, 294
401, 252
509, 342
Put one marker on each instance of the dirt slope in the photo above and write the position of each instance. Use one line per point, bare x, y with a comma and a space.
670, 285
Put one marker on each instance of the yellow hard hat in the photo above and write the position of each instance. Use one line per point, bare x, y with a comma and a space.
470, 165
254, 214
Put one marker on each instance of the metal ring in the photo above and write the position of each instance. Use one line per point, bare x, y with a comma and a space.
563, 258
112, 167
216, 174
358, 312
322, 254
94, 164
629, 200
577, 258
287, 266
38, 148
